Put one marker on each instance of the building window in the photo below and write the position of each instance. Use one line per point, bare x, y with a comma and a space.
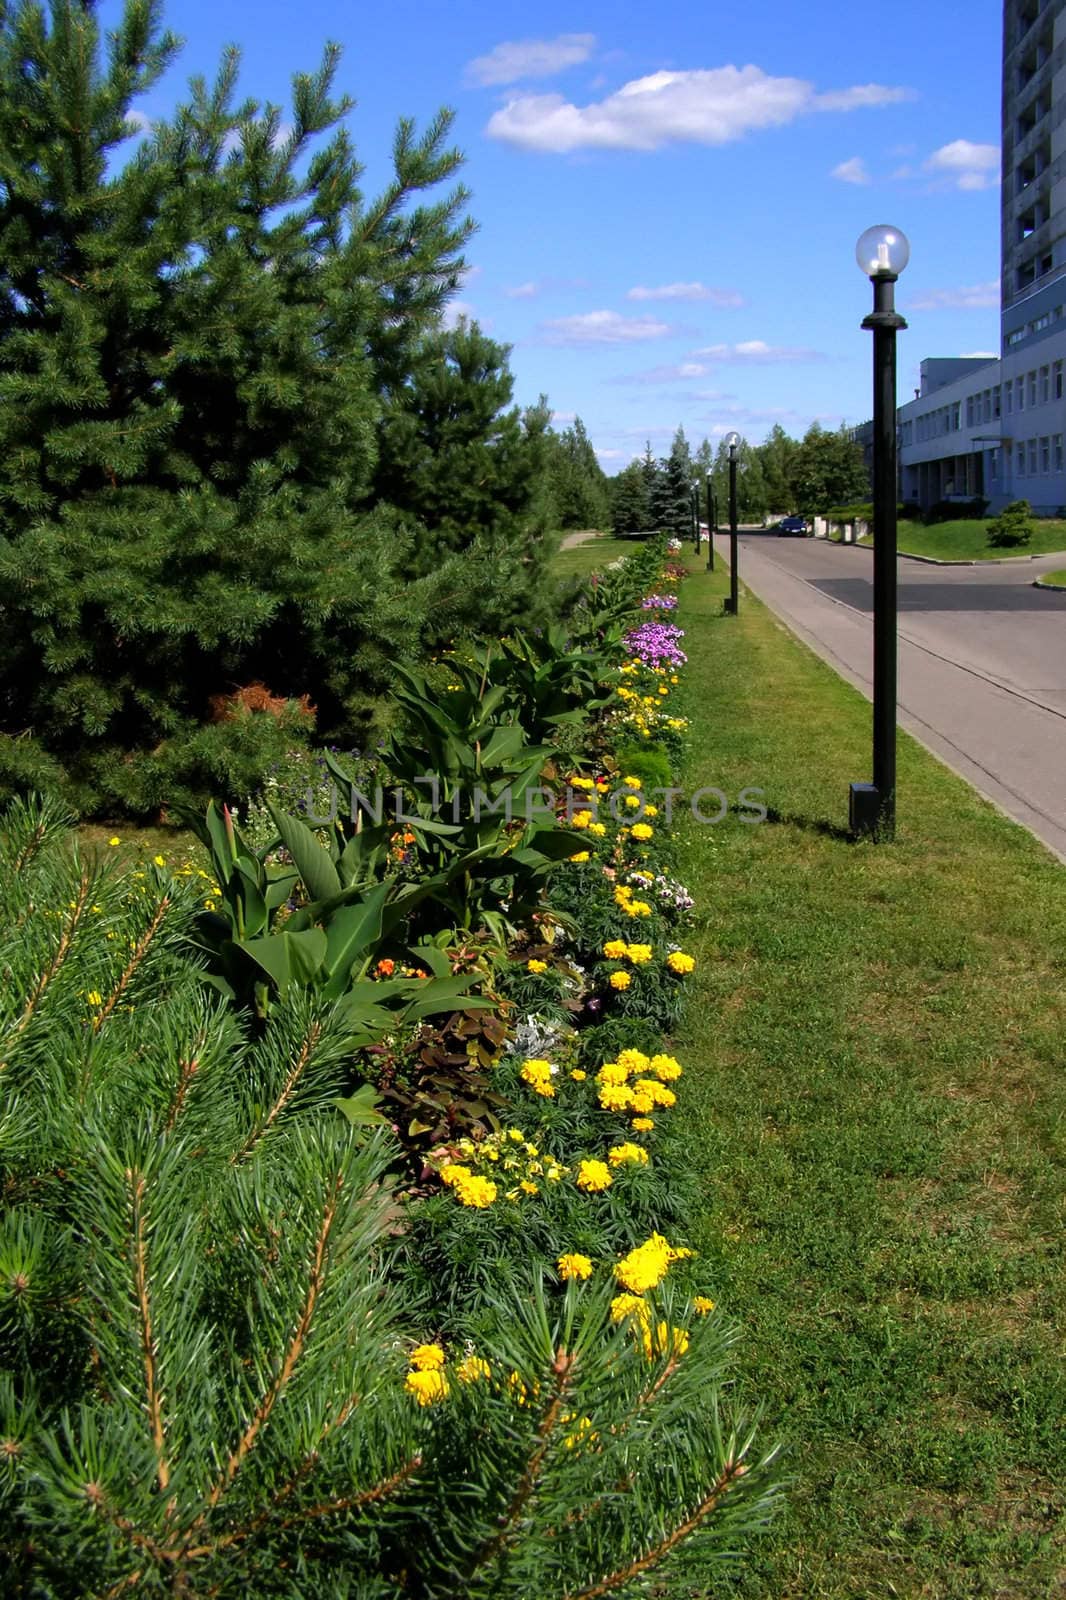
1045, 385
1032, 458
995, 403
1057, 380
1057, 446
1045, 454
956, 417
1008, 396
1020, 392
1019, 459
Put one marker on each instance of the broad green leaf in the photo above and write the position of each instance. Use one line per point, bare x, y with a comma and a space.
319, 875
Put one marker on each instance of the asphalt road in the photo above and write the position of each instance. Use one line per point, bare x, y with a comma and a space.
982, 659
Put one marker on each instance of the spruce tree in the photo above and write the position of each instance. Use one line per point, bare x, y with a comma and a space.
630, 512
671, 497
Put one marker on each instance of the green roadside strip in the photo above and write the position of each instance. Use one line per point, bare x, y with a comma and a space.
1053, 580
966, 539
874, 1075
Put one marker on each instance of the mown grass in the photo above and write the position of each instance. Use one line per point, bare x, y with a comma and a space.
967, 540
591, 555
877, 1105
1056, 579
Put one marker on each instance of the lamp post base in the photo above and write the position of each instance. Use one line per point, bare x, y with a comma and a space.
729, 606
868, 816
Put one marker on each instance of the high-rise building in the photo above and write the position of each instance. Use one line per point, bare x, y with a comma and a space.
995, 429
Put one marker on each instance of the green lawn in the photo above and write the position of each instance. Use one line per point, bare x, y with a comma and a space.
878, 1118
1056, 579
587, 557
967, 540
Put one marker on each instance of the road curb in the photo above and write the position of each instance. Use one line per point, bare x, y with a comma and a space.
935, 561
1052, 588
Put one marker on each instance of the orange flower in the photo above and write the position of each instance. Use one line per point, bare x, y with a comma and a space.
385, 968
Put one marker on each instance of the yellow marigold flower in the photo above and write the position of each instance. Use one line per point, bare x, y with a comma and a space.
426, 1356
632, 801
593, 1176
633, 1060
515, 1135
645, 1266
160, 861
533, 965
613, 1072
639, 954
702, 1306
115, 840
628, 1305
471, 1368
620, 1154
665, 1067
642, 831
582, 1434
657, 1093
638, 908
615, 949
651, 811
678, 961
639, 1101
578, 1076
470, 1189
581, 819
554, 1172
527, 1187
573, 1265
616, 1097
598, 828
427, 1386
632, 783
582, 855
643, 1124
667, 1341
620, 980
581, 783
538, 1074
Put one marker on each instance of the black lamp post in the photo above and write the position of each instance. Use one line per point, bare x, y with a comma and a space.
712, 521
732, 444
882, 253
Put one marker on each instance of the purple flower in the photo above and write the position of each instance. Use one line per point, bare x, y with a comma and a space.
656, 644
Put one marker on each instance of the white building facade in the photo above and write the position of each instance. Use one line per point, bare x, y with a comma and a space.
994, 430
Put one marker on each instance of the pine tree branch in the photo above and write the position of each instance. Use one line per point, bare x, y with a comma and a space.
722, 1484
134, 962
562, 1368
149, 1352
314, 1033
66, 939
292, 1354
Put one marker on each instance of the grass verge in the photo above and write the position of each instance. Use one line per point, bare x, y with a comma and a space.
967, 540
595, 553
878, 1108
1054, 580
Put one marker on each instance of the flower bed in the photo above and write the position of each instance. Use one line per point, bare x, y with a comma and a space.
367, 1262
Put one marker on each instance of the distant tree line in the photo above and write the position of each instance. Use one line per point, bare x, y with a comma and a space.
781, 476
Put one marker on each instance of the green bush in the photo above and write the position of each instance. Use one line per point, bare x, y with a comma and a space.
1014, 526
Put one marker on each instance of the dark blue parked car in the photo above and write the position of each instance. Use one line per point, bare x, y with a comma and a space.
793, 525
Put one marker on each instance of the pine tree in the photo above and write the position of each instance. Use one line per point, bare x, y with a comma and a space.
578, 481
630, 512
671, 498
194, 351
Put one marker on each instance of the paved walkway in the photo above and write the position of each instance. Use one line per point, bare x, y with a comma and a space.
982, 660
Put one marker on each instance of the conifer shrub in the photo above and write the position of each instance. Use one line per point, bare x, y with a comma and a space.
213, 1375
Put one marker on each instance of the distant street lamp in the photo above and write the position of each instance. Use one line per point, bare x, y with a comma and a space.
882, 252
732, 441
712, 520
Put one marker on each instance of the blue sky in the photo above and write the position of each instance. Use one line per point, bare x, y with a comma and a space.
669, 195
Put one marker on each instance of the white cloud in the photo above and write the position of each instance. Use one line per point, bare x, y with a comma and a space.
966, 165
712, 107
531, 58
976, 297
756, 351
687, 291
523, 291
565, 417
139, 122
979, 355
614, 455
853, 171
603, 327
461, 310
